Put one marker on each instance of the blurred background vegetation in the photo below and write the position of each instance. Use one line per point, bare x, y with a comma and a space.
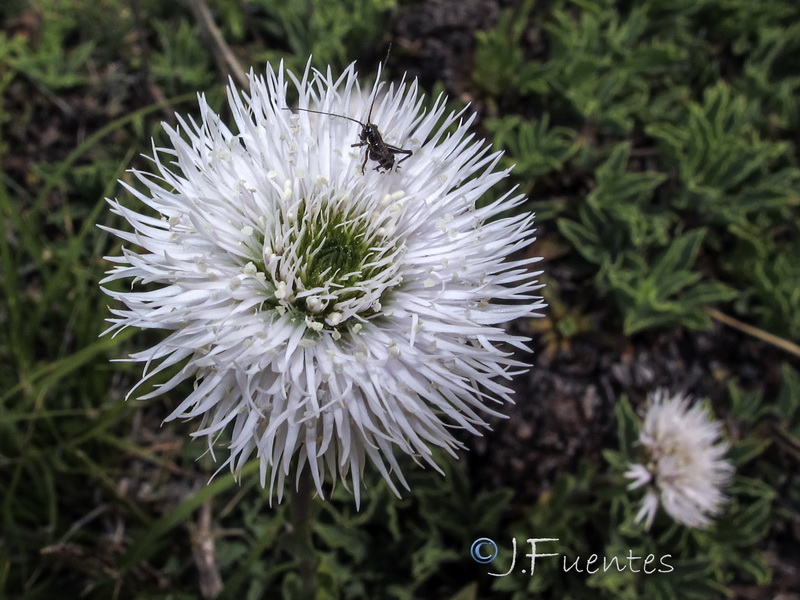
657, 141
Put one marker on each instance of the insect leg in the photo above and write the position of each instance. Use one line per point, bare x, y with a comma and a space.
396, 150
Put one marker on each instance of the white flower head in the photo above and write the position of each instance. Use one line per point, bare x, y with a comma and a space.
327, 315
684, 466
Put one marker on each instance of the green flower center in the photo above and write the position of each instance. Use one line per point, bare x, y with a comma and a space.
329, 259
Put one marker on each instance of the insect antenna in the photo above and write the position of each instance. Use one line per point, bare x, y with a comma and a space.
320, 112
377, 87
371, 105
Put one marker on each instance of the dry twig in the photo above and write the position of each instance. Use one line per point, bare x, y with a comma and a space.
781, 343
226, 61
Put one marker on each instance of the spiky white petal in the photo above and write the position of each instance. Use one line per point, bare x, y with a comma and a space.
684, 468
327, 316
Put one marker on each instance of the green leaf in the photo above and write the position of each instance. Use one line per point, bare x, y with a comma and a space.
584, 240
617, 187
750, 524
789, 395
757, 566
746, 406
746, 450
627, 428
754, 488
535, 147
429, 559
616, 459
666, 287
488, 508
679, 256
706, 293
354, 542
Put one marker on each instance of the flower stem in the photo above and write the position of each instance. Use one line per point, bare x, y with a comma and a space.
303, 546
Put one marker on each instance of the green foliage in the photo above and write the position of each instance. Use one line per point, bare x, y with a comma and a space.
500, 65
667, 292
56, 64
334, 33
540, 148
703, 156
751, 408
763, 262
728, 173
619, 232
734, 179
603, 63
627, 435
184, 62
600, 68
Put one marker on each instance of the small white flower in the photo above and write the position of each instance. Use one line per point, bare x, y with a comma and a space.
684, 467
327, 316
